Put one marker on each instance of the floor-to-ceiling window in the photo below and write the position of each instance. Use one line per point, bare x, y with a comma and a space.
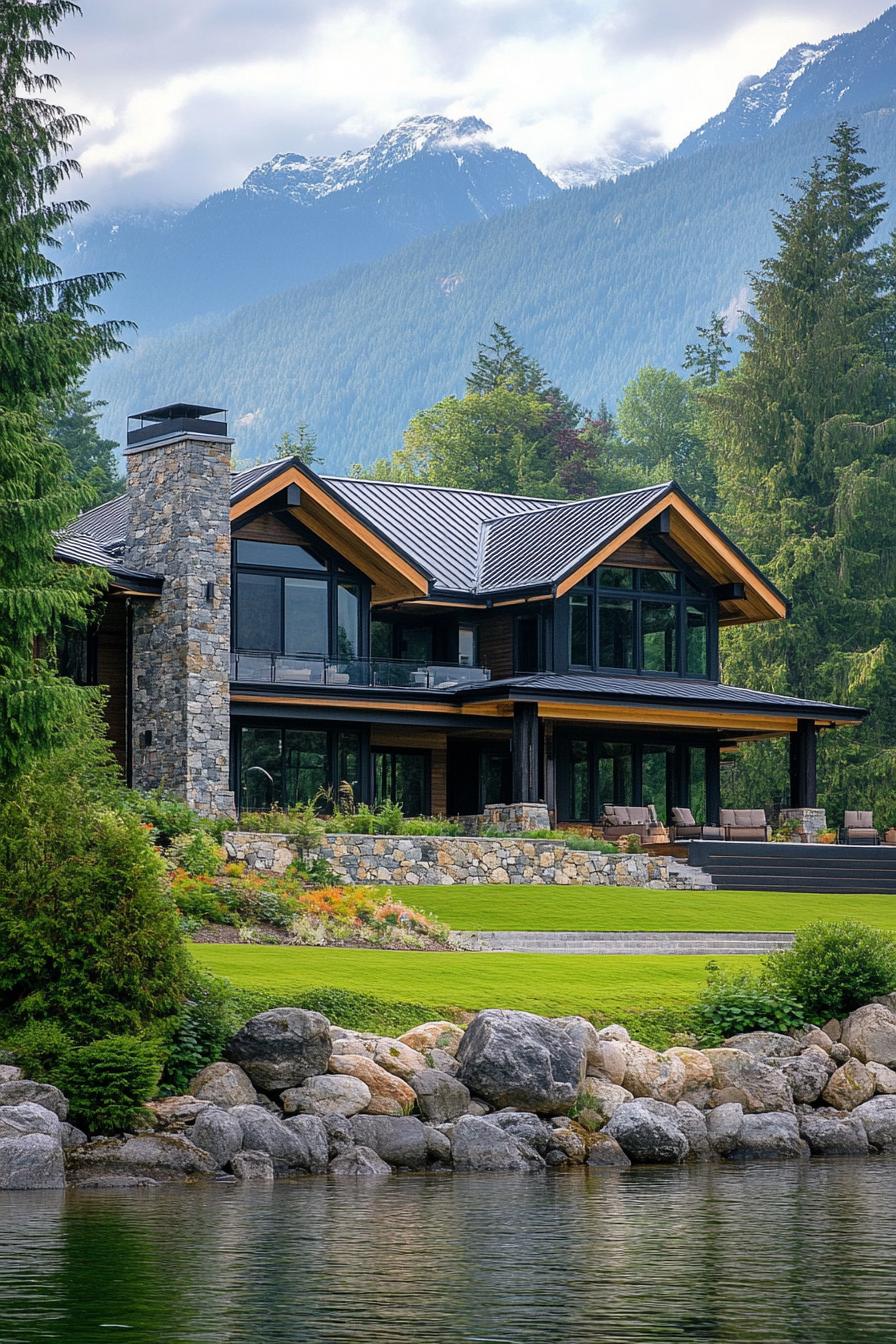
641, 620
402, 777
592, 772
280, 766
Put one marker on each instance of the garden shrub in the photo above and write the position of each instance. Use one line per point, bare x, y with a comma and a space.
89, 935
168, 816
731, 1004
299, 823
196, 853
835, 966
108, 1082
38, 1048
207, 1020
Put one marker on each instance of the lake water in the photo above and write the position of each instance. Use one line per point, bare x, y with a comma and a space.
796, 1251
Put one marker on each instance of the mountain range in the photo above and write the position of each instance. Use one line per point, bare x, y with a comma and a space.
349, 292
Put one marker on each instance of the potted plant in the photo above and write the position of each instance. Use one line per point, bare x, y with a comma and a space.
788, 831
826, 837
890, 830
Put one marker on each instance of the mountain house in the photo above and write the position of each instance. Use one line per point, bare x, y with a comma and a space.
273, 633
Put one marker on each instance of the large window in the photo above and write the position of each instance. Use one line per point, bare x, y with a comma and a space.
292, 600
592, 772
401, 777
282, 766
641, 620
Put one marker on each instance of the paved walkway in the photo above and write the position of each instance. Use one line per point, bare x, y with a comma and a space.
624, 943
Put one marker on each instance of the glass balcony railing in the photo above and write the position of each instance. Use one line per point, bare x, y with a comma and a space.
295, 669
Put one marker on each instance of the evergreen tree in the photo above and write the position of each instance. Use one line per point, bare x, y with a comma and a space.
804, 435
707, 357
47, 342
303, 445
94, 461
502, 362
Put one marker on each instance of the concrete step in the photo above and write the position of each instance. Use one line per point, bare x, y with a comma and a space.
623, 943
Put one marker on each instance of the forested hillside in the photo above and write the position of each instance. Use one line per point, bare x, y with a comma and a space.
594, 282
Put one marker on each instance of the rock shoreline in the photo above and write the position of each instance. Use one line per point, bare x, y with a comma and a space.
297, 1095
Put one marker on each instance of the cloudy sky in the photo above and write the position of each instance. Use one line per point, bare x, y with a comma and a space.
186, 96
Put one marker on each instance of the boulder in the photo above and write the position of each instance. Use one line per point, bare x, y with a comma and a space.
440, 1097
771, 1134
813, 1036
11, 1073
395, 1057
356, 1043
878, 1116
428, 1036
525, 1127
223, 1084
604, 1151
398, 1140
738, 1076
478, 1145
870, 1034
310, 1131
137, 1157
43, 1094
834, 1136
839, 1052
388, 1095
248, 1165
568, 1145
613, 1033
697, 1068
31, 1162
521, 1060
598, 1100
327, 1094
807, 1076
281, 1048
884, 1079
649, 1074
723, 1126
70, 1136
266, 1133
339, 1134
441, 1060
438, 1145
29, 1118
832, 1029
692, 1124
218, 1132
359, 1162
607, 1061
848, 1086
175, 1113
763, 1044
647, 1133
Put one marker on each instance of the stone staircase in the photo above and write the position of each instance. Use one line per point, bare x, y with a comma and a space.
624, 943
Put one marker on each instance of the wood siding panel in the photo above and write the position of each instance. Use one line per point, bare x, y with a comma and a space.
638, 554
496, 644
112, 673
267, 527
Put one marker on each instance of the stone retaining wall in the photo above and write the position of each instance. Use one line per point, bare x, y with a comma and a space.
411, 860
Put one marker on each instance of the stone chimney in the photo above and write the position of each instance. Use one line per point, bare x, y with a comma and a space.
178, 472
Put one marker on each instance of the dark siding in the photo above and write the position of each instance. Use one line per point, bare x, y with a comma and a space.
112, 672
267, 527
496, 644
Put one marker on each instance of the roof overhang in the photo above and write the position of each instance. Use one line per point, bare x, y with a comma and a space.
395, 576
702, 542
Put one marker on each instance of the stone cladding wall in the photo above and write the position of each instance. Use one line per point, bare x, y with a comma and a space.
411, 860
180, 527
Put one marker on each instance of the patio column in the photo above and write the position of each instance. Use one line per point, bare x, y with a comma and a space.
713, 783
803, 788
524, 753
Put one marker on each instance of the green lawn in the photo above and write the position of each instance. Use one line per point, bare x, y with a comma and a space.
619, 908
471, 980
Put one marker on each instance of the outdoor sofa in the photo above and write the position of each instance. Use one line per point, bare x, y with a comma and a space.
619, 821
684, 827
859, 829
744, 823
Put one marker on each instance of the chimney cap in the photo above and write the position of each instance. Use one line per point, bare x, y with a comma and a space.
181, 417
179, 410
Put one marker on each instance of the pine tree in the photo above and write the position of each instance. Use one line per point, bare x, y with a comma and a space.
48, 339
707, 357
303, 445
94, 460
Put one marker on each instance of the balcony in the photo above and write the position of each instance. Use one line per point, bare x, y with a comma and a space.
298, 670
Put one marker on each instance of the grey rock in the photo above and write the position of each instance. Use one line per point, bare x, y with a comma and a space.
738, 1076
438, 1145
158, 1157
70, 1136
223, 1084
478, 1145
528, 1128
218, 1132
568, 1146
11, 1073
360, 1161
807, 1036
878, 1117
44, 1094
832, 1028
884, 1078
830, 1137
282, 1047
440, 1097
692, 1124
339, 1134
266, 1133
437, 1058
399, 1140
29, 1118
771, 1134
648, 1131
870, 1034
310, 1131
519, 1059
613, 1033
31, 1162
598, 1100
763, 1044
247, 1165
478, 1107
849, 1086
604, 1151
839, 1053
327, 1094
723, 1126
806, 1075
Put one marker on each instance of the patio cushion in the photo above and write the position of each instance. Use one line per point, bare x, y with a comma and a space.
858, 821
652, 816
743, 818
611, 812
639, 816
683, 816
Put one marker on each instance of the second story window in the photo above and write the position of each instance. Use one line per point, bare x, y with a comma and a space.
640, 620
294, 600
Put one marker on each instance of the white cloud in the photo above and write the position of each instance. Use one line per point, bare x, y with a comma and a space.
185, 98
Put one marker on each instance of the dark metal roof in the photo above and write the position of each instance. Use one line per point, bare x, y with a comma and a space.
670, 691
84, 550
540, 548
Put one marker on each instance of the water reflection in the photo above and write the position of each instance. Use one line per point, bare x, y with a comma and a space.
797, 1252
